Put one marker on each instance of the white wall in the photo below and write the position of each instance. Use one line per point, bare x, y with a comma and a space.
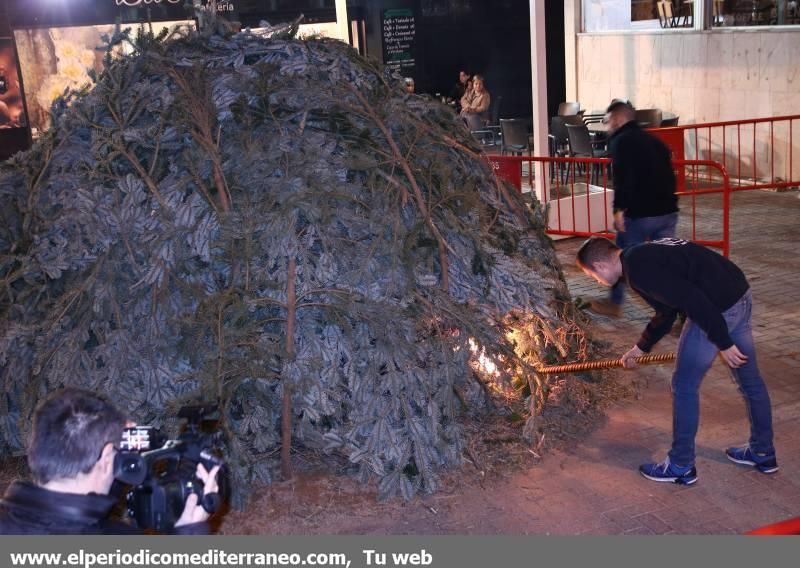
702, 77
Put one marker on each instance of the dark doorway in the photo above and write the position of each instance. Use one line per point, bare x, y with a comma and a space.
490, 37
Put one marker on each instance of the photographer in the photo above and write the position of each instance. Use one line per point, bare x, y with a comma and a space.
71, 458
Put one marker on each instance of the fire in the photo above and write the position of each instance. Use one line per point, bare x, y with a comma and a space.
484, 363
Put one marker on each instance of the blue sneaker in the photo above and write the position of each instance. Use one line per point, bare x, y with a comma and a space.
669, 472
765, 463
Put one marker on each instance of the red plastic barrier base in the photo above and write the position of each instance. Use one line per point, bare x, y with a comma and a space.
792, 526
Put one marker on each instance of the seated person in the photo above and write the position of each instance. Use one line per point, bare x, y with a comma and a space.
411, 86
463, 85
71, 459
475, 104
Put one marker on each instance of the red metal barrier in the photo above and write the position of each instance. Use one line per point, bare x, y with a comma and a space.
759, 153
578, 198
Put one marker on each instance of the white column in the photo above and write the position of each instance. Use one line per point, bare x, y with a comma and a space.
342, 22
539, 88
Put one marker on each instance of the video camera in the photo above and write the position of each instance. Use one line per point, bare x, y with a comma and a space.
162, 472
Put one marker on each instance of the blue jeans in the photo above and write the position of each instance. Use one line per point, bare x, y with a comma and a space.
695, 357
638, 231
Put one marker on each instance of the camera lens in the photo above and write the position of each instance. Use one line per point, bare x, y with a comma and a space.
129, 468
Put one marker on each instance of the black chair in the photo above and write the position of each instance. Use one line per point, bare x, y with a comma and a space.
514, 136
593, 117
666, 14
494, 110
648, 117
489, 134
581, 146
558, 141
569, 109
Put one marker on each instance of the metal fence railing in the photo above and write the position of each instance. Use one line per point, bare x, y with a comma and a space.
759, 153
578, 195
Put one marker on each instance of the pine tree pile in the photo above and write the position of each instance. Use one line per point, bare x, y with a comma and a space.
276, 225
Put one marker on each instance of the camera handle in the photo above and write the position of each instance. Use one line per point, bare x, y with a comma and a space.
211, 502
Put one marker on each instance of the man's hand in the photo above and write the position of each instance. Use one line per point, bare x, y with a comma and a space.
733, 357
619, 221
629, 359
193, 511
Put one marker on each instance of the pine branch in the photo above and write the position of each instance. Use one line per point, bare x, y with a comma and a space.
417, 192
200, 109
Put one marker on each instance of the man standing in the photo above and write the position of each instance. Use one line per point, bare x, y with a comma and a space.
674, 275
645, 204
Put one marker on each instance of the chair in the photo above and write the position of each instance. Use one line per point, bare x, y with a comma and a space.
489, 129
558, 140
492, 123
752, 12
670, 121
593, 117
686, 11
569, 109
581, 145
719, 17
666, 14
792, 13
649, 117
514, 136
494, 110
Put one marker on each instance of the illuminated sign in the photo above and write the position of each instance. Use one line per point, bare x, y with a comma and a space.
138, 2
221, 6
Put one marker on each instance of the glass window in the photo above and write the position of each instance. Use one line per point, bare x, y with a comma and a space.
728, 13
626, 15
621, 15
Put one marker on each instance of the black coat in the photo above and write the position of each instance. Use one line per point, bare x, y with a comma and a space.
29, 509
644, 181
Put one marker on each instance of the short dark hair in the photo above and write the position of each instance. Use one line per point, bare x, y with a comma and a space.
595, 249
70, 430
621, 105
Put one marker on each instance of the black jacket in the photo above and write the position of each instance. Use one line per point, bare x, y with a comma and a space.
29, 509
673, 275
644, 181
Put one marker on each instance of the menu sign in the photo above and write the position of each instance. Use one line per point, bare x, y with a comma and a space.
399, 35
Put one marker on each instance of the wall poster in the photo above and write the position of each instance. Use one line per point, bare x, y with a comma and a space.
12, 107
55, 59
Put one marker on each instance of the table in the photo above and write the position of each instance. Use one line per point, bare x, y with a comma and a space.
598, 128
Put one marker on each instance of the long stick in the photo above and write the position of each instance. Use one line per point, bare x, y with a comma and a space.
604, 364
286, 403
